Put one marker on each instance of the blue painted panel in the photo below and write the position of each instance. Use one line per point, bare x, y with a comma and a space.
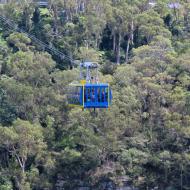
95, 96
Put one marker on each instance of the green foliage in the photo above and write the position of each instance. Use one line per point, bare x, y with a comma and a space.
142, 140
7, 111
33, 68
5, 184
19, 40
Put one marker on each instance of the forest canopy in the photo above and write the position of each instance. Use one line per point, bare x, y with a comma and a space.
142, 141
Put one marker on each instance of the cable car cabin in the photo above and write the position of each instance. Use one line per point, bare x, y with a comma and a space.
90, 95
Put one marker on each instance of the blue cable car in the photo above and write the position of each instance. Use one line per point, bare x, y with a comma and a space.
89, 93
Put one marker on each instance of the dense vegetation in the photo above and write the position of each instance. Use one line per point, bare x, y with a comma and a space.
142, 140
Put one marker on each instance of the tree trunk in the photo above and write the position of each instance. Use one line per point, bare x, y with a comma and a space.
55, 14
132, 32
16, 183
114, 42
96, 41
175, 13
21, 161
181, 177
127, 51
185, 18
118, 49
71, 60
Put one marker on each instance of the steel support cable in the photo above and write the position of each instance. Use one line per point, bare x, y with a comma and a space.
55, 51
13, 26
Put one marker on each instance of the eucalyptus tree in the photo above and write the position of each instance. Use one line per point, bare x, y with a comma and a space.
22, 140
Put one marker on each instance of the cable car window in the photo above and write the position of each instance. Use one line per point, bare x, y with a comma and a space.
106, 94
102, 95
93, 98
89, 94
85, 95
99, 94
74, 95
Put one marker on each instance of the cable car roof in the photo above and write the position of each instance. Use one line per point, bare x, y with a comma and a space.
90, 84
95, 85
92, 65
